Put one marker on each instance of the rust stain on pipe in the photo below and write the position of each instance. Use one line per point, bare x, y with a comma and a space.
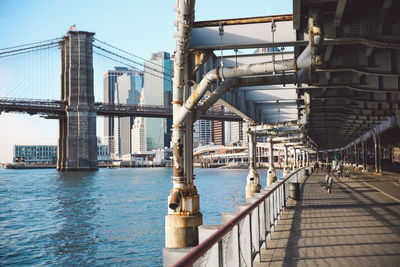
217, 74
175, 199
197, 58
210, 23
178, 154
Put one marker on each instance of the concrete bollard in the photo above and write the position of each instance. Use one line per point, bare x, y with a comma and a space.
172, 255
213, 256
231, 252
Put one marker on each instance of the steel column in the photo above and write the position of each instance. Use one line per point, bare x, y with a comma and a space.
271, 171
253, 179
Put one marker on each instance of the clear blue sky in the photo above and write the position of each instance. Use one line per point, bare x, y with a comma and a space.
140, 27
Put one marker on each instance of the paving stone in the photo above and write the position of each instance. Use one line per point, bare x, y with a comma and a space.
355, 225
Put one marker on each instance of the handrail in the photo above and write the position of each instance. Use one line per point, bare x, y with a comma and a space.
194, 254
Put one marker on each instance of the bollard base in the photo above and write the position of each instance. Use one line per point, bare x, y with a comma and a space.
294, 191
286, 171
182, 230
251, 189
271, 179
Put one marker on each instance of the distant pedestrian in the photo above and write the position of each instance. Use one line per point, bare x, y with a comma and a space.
341, 169
316, 166
328, 168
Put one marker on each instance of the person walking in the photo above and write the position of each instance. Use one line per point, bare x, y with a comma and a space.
328, 168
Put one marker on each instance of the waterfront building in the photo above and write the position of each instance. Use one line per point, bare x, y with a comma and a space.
109, 82
47, 154
126, 90
159, 157
33, 154
102, 154
158, 91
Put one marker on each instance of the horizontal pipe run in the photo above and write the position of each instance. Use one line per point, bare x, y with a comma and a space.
203, 247
237, 21
304, 61
213, 98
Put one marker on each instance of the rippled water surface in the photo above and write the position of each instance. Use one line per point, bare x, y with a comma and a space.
108, 217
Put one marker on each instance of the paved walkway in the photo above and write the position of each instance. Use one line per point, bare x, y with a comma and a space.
355, 225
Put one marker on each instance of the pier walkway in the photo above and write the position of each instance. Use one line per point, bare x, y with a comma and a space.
358, 224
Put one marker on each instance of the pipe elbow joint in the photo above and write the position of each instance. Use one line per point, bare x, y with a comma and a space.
175, 199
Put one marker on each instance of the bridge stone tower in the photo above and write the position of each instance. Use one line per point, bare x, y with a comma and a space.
77, 143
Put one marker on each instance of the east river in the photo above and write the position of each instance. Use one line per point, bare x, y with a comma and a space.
112, 217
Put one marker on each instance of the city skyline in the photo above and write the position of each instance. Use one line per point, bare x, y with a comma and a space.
126, 27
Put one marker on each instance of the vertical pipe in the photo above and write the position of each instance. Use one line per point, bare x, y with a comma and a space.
376, 154
286, 169
253, 179
307, 159
184, 216
271, 171
379, 154
356, 155
364, 155
295, 158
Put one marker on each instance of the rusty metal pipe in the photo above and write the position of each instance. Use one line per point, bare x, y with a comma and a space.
303, 61
232, 72
175, 199
185, 19
238, 21
213, 98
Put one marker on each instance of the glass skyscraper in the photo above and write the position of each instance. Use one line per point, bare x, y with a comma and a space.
127, 91
158, 91
109, 81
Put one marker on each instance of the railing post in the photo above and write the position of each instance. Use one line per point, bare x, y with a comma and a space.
238, 239
284, 194
220, 254
251, 238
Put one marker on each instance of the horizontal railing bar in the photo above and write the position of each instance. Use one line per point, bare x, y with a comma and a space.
195, 253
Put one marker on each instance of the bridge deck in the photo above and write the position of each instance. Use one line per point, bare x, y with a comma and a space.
355, 225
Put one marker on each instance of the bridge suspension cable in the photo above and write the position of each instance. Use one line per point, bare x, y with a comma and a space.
35, 74
136, 56
22, 49
128, 62
30, 44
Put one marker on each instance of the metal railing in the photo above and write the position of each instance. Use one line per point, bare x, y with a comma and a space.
239, 241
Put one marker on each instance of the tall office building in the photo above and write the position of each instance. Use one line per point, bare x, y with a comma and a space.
217, 127
158, 91
201, 133
138, 135
126, 91
238, 132
109, 81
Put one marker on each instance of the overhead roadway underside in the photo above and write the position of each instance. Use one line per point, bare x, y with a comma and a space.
358, 84
352, 89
